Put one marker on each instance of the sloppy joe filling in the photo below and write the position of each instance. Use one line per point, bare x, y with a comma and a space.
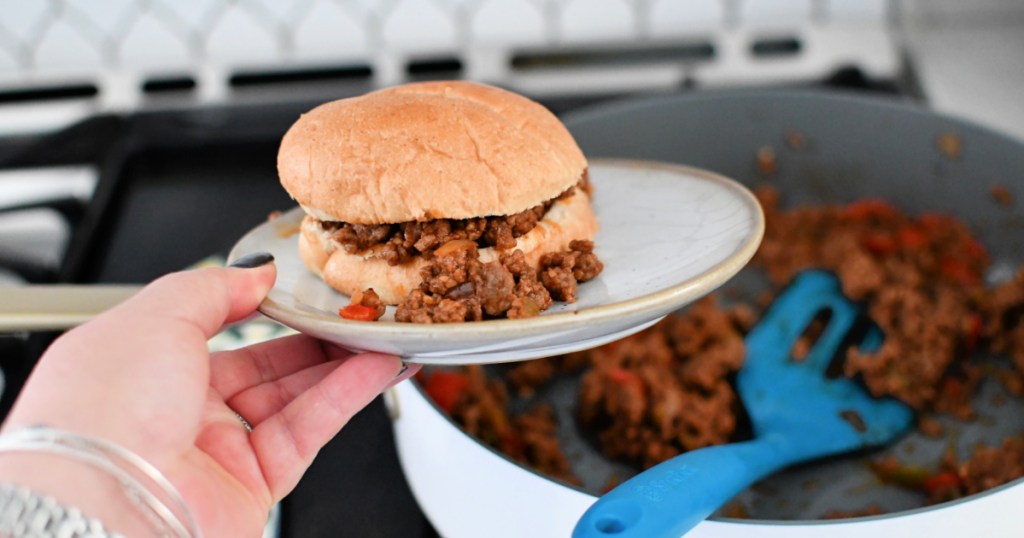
457, 286
402, 242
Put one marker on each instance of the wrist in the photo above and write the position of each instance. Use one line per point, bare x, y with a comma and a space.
73, 484
102, 480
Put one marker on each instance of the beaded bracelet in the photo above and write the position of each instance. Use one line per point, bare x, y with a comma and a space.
130, 470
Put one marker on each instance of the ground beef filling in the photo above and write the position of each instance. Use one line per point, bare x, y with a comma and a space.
479, 404
457, 286
666, 390
403, 242
920, 276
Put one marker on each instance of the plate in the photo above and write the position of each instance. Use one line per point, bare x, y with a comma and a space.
669, 235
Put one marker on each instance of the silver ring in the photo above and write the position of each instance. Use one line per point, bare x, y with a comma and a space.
245, 423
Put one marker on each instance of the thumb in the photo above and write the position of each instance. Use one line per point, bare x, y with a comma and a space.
207, 298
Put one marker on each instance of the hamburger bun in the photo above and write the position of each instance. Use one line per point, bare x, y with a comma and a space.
424, 151
419, 152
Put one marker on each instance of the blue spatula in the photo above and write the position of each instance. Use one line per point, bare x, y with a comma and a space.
796, 411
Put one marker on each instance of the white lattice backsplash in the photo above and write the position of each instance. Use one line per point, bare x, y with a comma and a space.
115, 47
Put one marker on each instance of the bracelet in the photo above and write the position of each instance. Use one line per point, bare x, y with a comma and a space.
127, 467
26, 514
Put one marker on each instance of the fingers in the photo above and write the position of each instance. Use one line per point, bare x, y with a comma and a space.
261, 380
232, 372
258, 403
286, 442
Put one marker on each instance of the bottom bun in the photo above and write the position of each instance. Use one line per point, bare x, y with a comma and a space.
567, 219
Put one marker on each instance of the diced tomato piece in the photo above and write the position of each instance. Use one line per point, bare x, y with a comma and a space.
912, 237
953, 388
879, 243
958, 271
622, 377
972, 333
942, 482
511, 445
974, 249
869, 208
358, 312
445, 388
625, 378
934, 222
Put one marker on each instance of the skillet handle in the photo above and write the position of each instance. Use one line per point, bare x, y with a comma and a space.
672, 497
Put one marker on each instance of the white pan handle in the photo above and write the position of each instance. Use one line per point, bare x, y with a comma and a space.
56, 307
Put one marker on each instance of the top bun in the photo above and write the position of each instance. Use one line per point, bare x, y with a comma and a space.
425, 151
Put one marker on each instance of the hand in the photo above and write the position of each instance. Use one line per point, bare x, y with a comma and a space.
140, 376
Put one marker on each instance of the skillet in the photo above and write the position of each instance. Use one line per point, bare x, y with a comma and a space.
851, 146
854, 146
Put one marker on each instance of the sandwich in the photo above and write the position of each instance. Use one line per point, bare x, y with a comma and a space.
455, 201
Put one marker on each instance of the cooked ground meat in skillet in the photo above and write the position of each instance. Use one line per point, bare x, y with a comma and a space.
668, 389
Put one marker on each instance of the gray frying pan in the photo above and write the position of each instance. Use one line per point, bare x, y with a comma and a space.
856, 146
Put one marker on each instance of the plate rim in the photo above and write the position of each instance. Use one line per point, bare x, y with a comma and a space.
651, 302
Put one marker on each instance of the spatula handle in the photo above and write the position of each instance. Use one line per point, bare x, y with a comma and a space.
674, 496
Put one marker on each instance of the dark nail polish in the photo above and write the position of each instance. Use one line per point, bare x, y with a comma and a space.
402, 371
250, 261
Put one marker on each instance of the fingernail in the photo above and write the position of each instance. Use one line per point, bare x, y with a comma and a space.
402, 371
250, 261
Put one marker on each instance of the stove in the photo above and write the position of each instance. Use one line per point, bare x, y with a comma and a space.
127, 197
106, 152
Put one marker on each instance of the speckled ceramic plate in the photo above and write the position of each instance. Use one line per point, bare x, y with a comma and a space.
669, 235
